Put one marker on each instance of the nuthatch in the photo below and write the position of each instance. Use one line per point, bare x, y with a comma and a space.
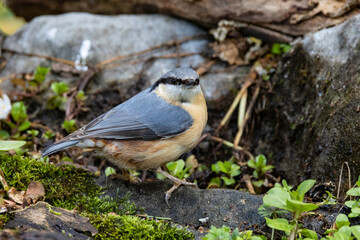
152, 128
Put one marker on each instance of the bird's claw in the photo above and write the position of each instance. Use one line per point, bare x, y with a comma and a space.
177, 184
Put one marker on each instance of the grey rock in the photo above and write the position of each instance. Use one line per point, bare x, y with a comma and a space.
90, 39
32, 235
311, 124
190, 206
39, 217
219, 81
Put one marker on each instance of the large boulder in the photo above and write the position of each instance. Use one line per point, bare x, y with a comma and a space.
311, 126
91, 39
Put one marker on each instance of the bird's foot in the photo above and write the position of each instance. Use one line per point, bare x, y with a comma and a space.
177, 183
125, 176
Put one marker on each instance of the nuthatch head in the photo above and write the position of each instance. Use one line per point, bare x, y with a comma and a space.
154, 127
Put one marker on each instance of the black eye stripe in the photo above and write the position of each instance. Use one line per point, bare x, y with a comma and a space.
176, 81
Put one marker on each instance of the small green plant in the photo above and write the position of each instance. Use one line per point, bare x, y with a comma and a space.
354, 204
260, 168
32, 133
225, 233
343, 229
177, 169
19, 122
283, 197
109, 171
39, 76
60, 99
80, 96
49, 135
69, 126
229, 168
280, 48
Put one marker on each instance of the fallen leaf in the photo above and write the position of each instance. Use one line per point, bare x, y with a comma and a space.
227, 51
9, 204
3, 208
34, 192
330, 8
16, 196
19, 82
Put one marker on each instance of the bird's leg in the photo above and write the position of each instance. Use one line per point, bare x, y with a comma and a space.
177, 183
125, 176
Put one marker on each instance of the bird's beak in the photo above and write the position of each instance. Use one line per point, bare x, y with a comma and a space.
189, 83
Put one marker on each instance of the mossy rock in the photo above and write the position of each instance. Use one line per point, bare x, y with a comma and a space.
73, 188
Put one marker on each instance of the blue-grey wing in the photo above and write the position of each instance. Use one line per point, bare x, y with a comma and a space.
145, 116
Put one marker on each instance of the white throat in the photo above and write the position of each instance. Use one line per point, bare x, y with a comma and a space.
178, 93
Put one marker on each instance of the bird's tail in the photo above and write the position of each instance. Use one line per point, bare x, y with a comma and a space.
57, 147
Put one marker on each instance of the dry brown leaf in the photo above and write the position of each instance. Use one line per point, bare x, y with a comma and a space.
34, 192
330, 8
3, 208
16, 196
19, 82
9, 204
227, 51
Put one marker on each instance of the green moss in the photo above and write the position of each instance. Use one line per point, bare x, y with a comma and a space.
69, 187
132, 227
62, 184
4, 218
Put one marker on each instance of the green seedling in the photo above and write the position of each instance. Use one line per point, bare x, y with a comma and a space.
59, 100
109, 171
260, 168
39, 76
19, 122
343, 229
69, 126
182, 169
32, 133
229, 168
80, 96
282, 197
354, 204
280, 48
66, 159
49, 135
225, 233
177, 169
4, 134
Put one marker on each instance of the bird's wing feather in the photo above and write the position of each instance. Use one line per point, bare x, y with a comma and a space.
145, 116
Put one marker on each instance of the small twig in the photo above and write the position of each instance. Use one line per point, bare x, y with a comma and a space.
69, 112
11, 76
204, 136
170, 43
241, 117
174, 55
153, 217
230, 144
205, 67
39, 125
232, 108
250, 187
340, 178
3, 62
247, 115
54, 59
3, 181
